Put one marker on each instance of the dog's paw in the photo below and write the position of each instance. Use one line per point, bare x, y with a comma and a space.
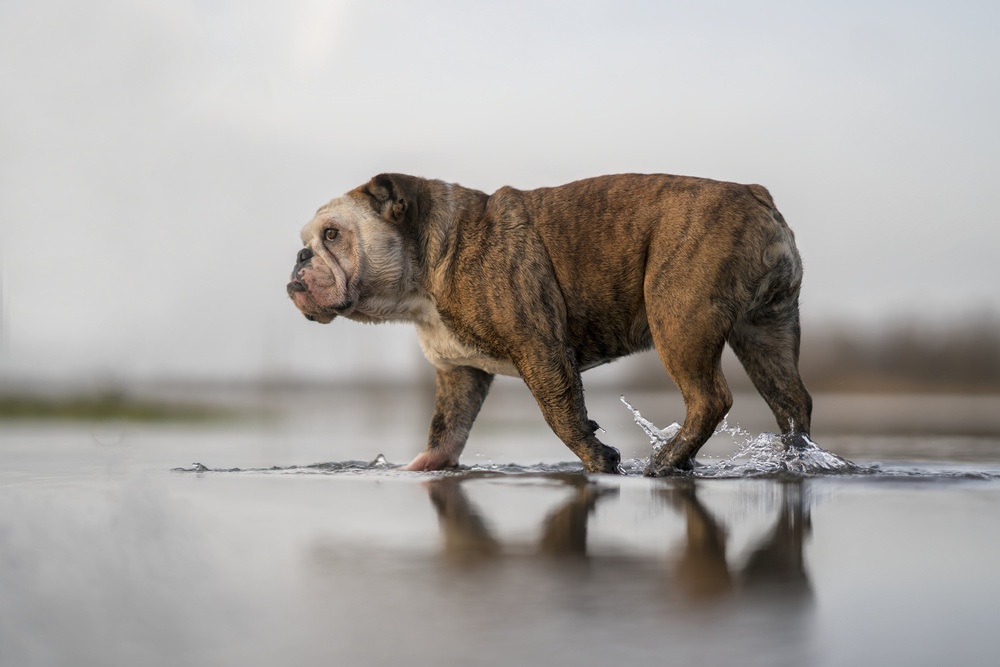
668, 467
796, 441
427, 461
608, 461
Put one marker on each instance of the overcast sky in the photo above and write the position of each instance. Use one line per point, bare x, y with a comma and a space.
158, 158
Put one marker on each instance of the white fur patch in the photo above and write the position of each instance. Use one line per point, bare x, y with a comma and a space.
367, 262
445, 351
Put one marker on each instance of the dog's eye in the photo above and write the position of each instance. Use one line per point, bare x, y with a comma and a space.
330, 234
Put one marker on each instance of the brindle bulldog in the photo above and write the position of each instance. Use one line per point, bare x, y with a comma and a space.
544, 284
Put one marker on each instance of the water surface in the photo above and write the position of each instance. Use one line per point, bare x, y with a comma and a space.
292, 544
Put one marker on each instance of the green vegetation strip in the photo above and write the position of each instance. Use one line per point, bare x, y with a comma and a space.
104, 407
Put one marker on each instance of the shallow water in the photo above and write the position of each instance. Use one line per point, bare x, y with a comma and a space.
109, 556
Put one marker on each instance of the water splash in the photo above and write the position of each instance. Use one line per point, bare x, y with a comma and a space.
657, 437
764, 454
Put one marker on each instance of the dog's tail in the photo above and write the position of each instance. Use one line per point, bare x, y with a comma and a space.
781, 275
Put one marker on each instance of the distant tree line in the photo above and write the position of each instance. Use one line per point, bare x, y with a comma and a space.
908, 356
963, 356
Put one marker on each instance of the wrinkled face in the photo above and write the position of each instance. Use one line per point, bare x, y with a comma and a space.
351, 263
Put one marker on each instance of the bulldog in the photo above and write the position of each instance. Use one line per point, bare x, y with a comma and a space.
545, 284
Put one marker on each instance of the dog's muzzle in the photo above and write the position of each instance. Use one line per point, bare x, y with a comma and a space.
303, 257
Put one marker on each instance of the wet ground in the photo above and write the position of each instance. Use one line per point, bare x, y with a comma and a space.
285, 540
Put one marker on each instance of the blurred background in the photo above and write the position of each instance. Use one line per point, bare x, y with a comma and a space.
158, 158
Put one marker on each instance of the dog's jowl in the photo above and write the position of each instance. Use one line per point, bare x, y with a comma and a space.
544, 284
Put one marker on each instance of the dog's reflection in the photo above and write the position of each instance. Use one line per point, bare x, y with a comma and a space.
468, 540
775, 564
699, 565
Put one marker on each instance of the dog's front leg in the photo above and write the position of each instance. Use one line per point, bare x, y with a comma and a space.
458, 395
467, 537
554, 380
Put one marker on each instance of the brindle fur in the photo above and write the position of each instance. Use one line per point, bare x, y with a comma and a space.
547, 283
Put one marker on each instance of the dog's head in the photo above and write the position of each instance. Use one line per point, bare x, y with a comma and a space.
354, 261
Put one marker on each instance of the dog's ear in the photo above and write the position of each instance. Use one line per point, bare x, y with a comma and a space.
391, 195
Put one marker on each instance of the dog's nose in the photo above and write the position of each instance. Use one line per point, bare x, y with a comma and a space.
304, 255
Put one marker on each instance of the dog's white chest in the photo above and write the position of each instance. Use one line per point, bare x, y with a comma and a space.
446, 352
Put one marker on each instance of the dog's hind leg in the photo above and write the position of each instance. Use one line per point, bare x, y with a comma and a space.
766, 341
690, 338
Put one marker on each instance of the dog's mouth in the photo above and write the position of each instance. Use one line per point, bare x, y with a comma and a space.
305, 302
322, 319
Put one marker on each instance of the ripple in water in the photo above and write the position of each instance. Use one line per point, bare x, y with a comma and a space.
762, 455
